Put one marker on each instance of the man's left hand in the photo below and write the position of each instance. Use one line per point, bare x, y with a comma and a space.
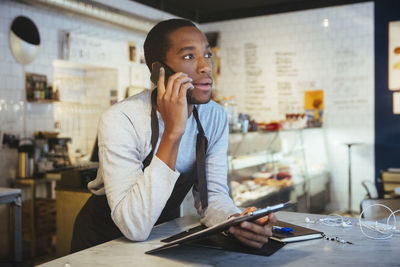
254, 234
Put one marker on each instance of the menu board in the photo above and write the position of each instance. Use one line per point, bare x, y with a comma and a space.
394, 55
93, 47
290, 100
255, 95
268, 63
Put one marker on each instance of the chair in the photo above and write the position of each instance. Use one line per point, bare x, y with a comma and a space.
387, 182
372, 191
377, 212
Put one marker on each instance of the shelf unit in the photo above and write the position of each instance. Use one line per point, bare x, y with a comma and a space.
39, 217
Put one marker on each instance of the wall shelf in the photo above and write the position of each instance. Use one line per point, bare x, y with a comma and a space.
46, 101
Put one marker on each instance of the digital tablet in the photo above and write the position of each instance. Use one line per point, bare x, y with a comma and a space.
234, 221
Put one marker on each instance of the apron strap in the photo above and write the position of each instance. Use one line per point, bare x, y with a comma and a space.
201, 150
155, 131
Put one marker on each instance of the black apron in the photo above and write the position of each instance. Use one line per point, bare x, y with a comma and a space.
94, 224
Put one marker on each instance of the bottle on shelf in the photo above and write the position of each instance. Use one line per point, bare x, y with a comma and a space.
231, 109
49, 92
36, 92
42, 91
56, 94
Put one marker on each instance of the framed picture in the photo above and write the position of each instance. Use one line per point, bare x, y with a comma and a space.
132, 51
394, 55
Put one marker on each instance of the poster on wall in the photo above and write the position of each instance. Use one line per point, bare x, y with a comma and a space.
314, 107
396, 103
394, 55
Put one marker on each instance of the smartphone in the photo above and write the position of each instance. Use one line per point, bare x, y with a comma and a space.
155, 74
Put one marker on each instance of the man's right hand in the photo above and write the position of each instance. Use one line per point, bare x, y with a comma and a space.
172, 104
254, 234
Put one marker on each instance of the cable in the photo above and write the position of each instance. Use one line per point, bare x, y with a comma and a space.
379, 227
331, 221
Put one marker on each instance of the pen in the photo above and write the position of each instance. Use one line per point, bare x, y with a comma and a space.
283, 229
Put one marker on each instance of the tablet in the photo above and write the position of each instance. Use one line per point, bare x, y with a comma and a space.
234, 221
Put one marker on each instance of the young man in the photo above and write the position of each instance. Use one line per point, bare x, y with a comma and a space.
153, 147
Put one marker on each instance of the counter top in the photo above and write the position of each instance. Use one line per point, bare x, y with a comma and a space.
319, 252
5, 191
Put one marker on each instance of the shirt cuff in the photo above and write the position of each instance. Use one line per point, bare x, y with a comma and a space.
162, 168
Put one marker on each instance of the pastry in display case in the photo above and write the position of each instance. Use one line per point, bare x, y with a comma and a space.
259, 185
266, 168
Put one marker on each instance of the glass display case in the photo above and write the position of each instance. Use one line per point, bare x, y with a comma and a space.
269, 167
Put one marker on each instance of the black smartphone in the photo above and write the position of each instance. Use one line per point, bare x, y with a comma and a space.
155, 74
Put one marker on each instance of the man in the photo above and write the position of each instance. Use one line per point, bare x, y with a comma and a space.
153, 147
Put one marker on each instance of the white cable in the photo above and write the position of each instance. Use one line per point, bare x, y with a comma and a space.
395, 223
331, 221
375, 228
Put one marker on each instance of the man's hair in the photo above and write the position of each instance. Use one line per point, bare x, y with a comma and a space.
157, 41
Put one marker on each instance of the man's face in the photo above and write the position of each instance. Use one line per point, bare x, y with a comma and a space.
190, 53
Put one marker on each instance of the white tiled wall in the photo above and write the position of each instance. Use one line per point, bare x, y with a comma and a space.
110, 50
84, 95
338, 59
50, 24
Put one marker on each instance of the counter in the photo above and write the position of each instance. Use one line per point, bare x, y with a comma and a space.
320, 252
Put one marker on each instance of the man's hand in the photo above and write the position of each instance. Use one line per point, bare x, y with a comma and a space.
172, 104
254, 234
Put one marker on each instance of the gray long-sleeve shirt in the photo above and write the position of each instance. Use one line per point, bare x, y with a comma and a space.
137, 197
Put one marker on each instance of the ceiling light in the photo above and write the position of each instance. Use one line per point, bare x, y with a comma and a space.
99, 12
